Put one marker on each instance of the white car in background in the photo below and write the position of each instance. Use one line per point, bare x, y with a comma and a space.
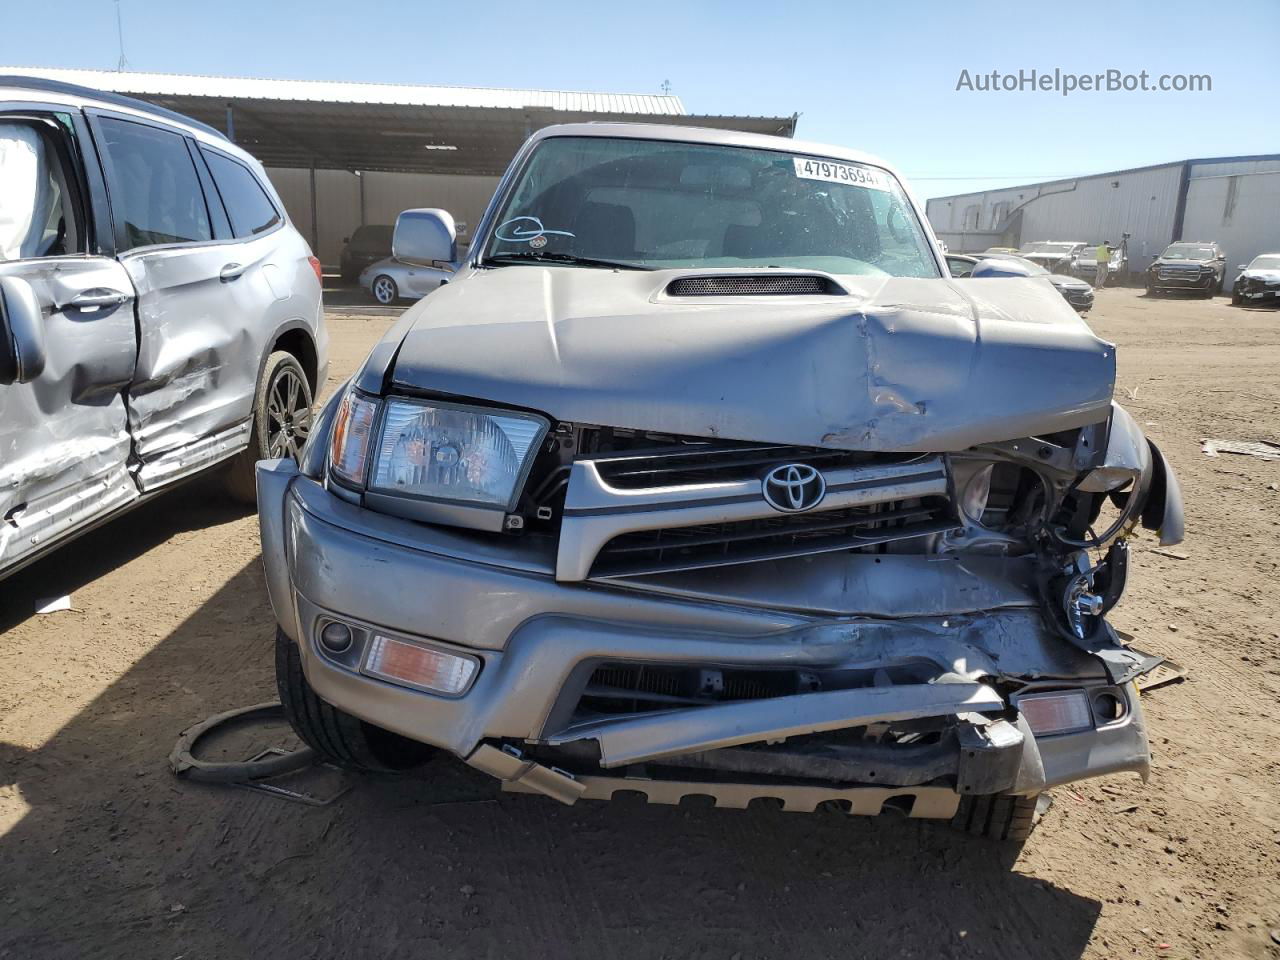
390, 280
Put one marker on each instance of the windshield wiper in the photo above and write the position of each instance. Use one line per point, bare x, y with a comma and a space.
529, 257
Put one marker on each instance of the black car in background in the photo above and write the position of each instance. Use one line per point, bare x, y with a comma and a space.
1076, 292
1199, 267
367, 245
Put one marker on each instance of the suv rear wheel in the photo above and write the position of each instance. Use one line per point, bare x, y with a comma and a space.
338, 737
997, 817
281, 422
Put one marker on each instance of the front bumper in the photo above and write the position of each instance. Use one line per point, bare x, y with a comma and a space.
1258, 292
539, 642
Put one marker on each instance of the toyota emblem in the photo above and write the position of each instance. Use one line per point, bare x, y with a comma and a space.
794, 487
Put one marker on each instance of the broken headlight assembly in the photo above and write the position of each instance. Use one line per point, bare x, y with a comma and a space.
432, 461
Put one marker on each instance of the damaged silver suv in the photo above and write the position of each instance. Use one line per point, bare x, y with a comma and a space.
702, 477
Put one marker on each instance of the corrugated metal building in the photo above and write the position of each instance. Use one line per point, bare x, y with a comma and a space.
346, 154
1233, 200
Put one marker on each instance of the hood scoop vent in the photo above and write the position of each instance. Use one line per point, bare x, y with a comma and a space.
748, 285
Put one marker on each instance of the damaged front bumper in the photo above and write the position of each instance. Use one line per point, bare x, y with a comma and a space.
815, 699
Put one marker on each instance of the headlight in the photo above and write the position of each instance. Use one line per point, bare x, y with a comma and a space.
467, 456
349, 439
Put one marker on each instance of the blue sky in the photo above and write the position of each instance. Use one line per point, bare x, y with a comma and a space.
880, 77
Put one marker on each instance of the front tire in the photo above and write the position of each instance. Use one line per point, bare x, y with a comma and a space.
1000, 817
338, 737
281, 423
384, 290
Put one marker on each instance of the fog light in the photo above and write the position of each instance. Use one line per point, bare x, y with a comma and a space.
1062, 711
420, 667
335, 637
1109, 707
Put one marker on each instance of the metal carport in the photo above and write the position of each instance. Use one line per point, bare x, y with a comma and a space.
345, 154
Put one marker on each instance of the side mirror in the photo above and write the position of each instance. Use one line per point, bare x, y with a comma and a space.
22, 352
346, 239
999, 268
425, 236
1242, 266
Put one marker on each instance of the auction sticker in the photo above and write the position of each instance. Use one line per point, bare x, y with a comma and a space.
812, 169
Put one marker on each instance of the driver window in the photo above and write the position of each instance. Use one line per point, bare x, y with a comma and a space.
37, 216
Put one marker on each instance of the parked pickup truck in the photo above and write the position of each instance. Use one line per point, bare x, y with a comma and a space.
159, 315
702, 477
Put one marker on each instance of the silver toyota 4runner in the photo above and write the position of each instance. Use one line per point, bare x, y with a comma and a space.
159, 315
702, 477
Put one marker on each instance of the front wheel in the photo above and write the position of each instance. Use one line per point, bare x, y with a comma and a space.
338, 737
281, 422
999, 817
384, 290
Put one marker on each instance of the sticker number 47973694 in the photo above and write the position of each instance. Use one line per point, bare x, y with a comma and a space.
812, 169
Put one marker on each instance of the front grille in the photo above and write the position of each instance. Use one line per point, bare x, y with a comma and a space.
695, 463
749, 286
786, 535
635, 688
1179, 273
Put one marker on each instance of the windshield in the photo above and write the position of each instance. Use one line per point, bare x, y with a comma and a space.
1047, 247
657, 204
1188, 251
1265, 263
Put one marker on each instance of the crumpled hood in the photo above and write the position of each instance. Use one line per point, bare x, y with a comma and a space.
1267, 276
898, 364
1069, 283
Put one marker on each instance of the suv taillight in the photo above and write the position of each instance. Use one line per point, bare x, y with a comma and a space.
315, 265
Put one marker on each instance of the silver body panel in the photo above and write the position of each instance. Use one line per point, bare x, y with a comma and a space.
158, 386
897, 365
203, 341
64, 437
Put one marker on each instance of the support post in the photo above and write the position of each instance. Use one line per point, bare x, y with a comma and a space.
315, 224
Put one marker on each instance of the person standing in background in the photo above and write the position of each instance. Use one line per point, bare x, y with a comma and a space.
1104, 261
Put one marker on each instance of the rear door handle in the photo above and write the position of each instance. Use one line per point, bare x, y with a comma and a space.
231, 271
97, 298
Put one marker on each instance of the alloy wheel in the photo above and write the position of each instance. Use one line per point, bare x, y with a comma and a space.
288, 415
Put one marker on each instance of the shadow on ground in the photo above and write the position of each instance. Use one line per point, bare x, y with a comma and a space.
116, 858
194, 505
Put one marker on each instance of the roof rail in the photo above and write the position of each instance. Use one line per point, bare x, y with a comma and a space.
119, 99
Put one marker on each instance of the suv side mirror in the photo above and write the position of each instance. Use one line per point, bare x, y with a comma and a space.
425, 236
22, 352
999, 268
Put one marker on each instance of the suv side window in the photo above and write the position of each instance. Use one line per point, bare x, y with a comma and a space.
155, 192
37, 202
250, 209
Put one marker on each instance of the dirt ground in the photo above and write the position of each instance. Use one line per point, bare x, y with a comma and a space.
103, 853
